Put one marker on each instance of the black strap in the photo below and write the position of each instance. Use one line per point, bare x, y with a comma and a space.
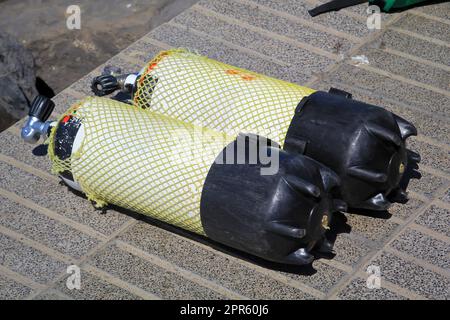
340, 92
334, 6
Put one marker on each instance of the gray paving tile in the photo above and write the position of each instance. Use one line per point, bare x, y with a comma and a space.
142, 50
266, 45
83, 85
51, 295
440, 10
410, 69
434, 127
350, 251
324, 279
383, 86
437, 219
19, 124
405, 211
413, 277
149, 277
94, 288
225, 271
12, 290
59, 199
425, 247
333, 20
63, 102
414, 46
125, 65
373, 228
432, 156
13, 146
424, 27
180, 37
427, 185
28, 261
44, 230
358, 290
249, 13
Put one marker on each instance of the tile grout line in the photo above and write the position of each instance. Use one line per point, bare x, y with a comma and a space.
17, 277
436, 172
228, 44
58, 293
36, 245
314, 25
418, 196
265, 32
441, 204
51, 214
157, 43
416, 59
430, 232
105, 276
417, 261
263, 271
401, 78
27, 168
431, 141
429, 16
129, 59
336, 264
175, 269
394, 288
105, 242
419, 36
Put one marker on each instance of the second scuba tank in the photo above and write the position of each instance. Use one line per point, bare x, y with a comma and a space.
362, 143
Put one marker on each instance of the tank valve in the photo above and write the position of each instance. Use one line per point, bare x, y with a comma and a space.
37, 124
111, 80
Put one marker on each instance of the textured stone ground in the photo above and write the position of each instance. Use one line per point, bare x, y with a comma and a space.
44, 227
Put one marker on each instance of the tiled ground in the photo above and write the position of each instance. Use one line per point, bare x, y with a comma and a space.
44, 227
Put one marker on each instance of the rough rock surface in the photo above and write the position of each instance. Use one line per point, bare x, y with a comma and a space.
17, 80
62, 56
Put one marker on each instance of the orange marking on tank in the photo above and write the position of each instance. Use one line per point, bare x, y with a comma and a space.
248, 77
232, 72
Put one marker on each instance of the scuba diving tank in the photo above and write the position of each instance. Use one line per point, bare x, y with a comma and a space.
364, 144
244, 192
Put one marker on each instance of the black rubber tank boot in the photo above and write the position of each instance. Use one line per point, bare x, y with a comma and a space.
280, 215
364, 144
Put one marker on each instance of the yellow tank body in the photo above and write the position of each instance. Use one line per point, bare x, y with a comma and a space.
209, 93
143, 161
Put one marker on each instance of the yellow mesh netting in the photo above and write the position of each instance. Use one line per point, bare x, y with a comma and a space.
143, 161
209, 93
